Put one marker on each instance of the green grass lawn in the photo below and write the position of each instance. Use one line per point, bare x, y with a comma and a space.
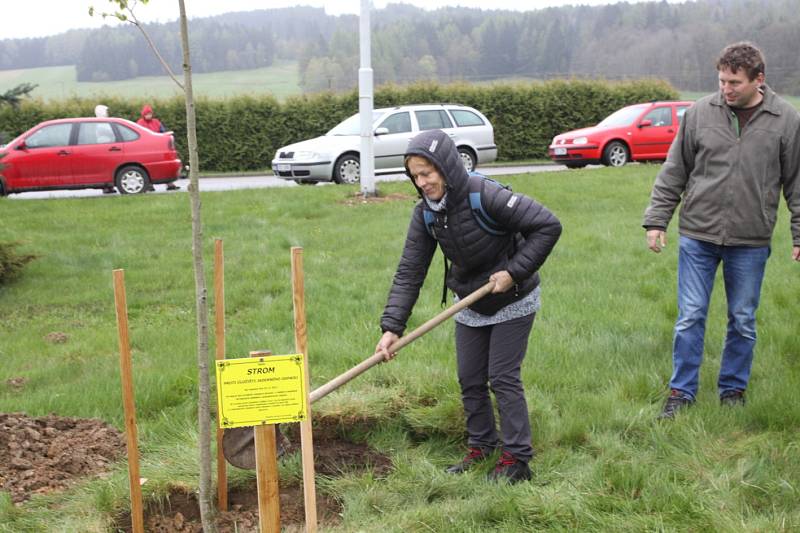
596, 372
58, 83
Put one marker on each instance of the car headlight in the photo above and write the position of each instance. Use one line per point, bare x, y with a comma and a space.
580, 140
306, 155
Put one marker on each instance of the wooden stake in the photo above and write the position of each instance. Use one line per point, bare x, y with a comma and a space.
126, 371
219, 315
306, 435
269, 512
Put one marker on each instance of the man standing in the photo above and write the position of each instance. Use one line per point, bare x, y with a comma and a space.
734, 152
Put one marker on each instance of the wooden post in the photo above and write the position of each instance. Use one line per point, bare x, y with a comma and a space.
126, 371
269, 512
219, 316
306, 435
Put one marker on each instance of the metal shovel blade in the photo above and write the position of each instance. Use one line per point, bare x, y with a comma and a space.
238, 446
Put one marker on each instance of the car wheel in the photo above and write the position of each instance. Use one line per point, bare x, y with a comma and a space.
467, 158
615, 154
347, 170
132, 180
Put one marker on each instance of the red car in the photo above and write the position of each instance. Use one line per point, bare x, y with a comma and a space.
88, 153
639, 132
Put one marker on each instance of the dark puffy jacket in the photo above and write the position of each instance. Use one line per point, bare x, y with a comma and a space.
474, 253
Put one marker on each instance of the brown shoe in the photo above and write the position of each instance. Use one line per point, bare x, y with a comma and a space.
732, 398
674, 403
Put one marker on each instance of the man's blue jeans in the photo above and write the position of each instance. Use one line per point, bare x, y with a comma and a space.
743, 271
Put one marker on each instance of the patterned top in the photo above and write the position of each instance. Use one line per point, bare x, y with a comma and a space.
528, 305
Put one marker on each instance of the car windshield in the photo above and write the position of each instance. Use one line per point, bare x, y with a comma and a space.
623, 117
352, 125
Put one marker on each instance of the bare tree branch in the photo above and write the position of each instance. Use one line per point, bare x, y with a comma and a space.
131, 17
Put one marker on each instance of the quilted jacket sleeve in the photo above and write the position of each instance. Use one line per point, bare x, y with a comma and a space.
410, 275
520, 214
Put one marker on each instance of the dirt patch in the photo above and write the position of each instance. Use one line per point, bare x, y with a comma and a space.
46, 454
16, 384
56, 337
181, 512
358, 198
334, 456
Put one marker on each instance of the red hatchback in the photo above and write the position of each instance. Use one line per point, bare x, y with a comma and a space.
639, 132
88, 153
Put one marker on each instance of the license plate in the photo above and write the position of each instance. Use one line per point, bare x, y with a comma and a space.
557, 151
284, 167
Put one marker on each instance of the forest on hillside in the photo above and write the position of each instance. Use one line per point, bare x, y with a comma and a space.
677, 42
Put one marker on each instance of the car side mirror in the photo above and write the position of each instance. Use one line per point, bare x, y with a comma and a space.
645, 123
381, 131
22, 146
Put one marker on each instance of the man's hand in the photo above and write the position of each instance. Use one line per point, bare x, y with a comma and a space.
502, 281
656, 239
386, 341
796, 253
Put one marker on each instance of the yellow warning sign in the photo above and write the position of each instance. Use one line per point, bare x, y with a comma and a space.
265, 390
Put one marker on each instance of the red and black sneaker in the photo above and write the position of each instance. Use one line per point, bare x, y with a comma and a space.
510, 469
474, 455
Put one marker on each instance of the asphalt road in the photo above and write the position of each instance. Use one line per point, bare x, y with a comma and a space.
229, 183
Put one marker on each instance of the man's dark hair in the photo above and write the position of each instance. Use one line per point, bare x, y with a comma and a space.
744, 55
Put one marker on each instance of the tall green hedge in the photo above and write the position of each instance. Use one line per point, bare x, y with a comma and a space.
243, 132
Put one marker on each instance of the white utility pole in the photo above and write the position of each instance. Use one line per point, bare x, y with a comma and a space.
365, 103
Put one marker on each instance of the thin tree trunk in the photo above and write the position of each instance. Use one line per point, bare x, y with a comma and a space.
201, 292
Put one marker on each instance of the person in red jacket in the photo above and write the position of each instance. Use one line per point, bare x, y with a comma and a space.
152, 123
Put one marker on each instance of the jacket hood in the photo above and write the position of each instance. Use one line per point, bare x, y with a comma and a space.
438, 148
146, 109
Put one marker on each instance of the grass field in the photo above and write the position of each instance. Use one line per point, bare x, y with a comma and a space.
596, 372
56, 83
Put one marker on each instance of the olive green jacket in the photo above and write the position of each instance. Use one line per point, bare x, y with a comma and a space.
730, 185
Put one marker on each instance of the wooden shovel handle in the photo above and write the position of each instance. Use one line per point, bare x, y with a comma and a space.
376, 358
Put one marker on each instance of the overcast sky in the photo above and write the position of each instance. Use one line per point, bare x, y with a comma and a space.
37, 18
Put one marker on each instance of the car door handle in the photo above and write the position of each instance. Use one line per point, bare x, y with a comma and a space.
64, 152
115, 149
671, 130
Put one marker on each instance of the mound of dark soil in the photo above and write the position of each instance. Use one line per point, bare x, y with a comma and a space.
181, 512
40, 455
334, 455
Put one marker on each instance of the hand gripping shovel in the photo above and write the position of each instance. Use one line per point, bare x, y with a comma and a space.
238, 444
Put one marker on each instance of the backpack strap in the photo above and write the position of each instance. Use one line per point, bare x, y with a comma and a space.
429, 218
477, 183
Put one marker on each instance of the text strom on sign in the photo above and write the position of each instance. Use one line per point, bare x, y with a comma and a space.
267, 370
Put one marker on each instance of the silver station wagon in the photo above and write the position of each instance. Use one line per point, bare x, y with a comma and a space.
335, 155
